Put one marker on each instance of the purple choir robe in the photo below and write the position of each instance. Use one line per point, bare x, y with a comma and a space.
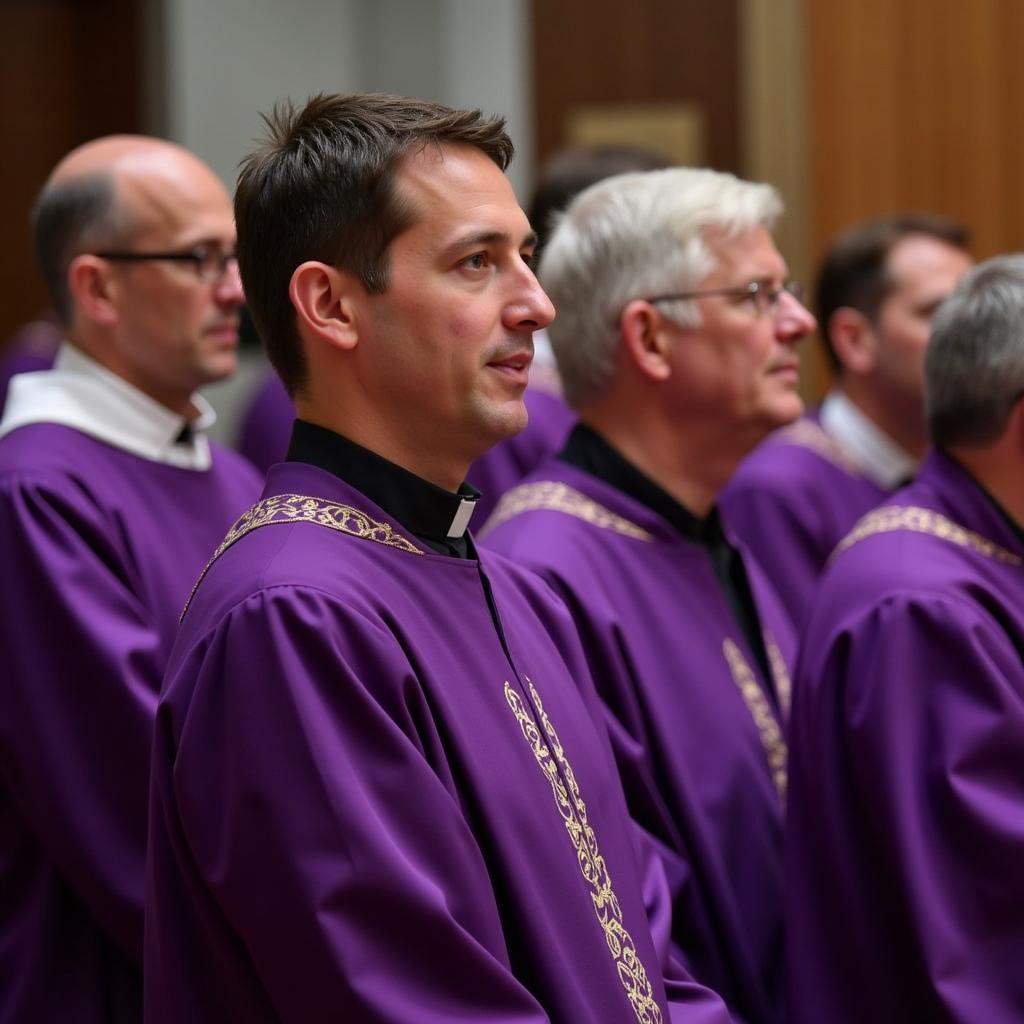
267, 424
501, 468
791, 501
906, 823
370, 803
99, 550
697, 732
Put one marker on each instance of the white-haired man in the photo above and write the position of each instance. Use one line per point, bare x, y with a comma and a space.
675, 339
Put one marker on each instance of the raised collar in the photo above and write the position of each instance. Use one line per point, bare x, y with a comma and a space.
877, 455
80, 393
437, 517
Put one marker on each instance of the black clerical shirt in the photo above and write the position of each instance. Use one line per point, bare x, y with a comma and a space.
427, 511
589, 451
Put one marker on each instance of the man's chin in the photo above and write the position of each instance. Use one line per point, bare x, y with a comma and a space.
788, 408
503, 421
220, 366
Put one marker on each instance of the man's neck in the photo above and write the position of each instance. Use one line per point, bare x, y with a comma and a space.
902, 425
178, 402
688, 464
1000, 472
442, 469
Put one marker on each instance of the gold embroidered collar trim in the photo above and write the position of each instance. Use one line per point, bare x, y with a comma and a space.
540, 734
558, 497
810, 435
923, 520
301, 508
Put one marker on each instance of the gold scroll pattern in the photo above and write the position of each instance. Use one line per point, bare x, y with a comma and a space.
760, 710
551, 757
923, 520
552, 496
301, 508
780, 673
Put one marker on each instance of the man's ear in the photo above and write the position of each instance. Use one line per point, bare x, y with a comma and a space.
324, 302
854, 340
645, 341
94, 289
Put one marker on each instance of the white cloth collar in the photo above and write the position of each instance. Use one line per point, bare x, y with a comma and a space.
80, 393
879, 457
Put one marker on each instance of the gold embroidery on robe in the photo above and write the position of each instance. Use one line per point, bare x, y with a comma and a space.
808, 434
550, 755
760, 710
558, 497
924, 520
780, 673
301, 508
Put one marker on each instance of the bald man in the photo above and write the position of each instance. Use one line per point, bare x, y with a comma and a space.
111, 501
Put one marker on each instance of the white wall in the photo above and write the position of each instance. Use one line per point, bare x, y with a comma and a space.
227, 60
217, 63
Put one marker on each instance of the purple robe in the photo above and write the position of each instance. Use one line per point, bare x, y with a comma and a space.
906, 828
697, 731
501, 468
267, 424
99, 549
372, 804
791, 501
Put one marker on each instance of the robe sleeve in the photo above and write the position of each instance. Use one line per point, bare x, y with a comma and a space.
689, 1002
311, 798
933, 698
80, 678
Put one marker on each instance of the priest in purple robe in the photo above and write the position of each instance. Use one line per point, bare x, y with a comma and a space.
799, 493
381, 787
111, 501
675, 339
905, 844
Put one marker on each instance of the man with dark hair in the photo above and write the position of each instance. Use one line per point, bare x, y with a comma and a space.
675, 337
906, 900
111, 502
795, 497
381, 791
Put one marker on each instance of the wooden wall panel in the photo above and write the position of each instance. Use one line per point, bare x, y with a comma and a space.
69, 71
917, 104
607, 51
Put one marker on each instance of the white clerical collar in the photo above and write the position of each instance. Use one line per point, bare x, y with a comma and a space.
879, 457
80, 393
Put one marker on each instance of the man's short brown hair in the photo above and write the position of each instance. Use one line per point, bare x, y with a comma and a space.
855, 270
322, 187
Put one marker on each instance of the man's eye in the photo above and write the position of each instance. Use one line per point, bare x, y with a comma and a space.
478, 261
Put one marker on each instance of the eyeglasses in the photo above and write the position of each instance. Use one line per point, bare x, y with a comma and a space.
209, 262
764, 297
